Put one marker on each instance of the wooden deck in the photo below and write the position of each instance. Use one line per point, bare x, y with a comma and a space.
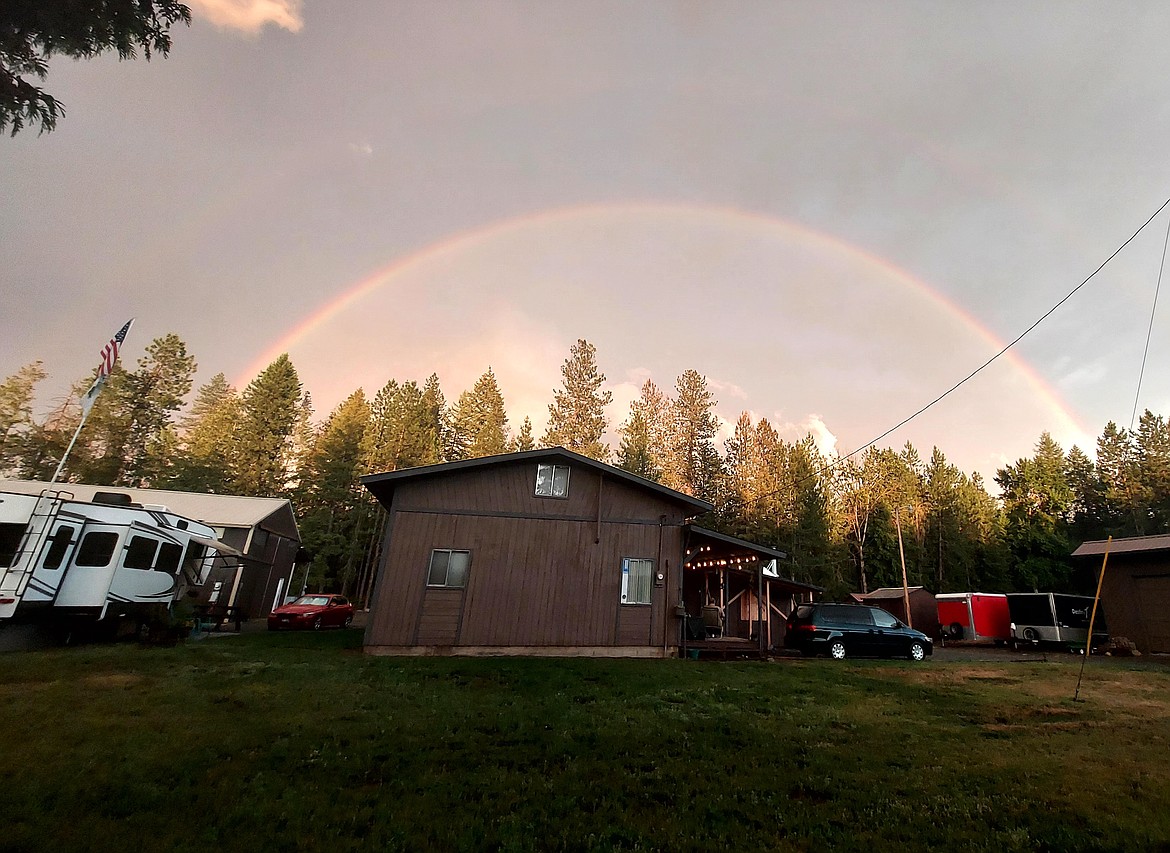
726, 648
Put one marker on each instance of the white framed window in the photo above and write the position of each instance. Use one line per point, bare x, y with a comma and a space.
552, 481
448, 568
637, 580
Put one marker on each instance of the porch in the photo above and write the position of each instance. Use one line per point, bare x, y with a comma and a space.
734, 603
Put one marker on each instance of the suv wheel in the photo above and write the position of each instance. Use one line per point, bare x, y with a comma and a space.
917, 652
837, 650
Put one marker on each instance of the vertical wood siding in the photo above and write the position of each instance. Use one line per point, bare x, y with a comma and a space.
438, 623
1137, 607
543, 571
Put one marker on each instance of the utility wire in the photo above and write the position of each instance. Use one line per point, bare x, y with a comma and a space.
980, 368
1153, 309
1015, 341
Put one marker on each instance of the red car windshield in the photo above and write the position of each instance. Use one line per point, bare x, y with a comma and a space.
313, 601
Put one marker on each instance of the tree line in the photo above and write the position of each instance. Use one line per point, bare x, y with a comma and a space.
839, 520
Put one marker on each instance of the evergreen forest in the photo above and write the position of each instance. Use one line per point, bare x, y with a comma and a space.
837, 519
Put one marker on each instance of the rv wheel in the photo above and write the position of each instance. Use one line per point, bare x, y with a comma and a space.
955, 631
1031, 636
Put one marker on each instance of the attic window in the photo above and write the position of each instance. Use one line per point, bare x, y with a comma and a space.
552, 481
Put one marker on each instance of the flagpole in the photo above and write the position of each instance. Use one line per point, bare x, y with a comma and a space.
68, 450
109, 356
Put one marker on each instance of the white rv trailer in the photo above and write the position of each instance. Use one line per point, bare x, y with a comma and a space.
110, 558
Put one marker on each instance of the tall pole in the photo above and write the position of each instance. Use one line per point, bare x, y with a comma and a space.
72, 441
902, 556
109, 356
1092, 618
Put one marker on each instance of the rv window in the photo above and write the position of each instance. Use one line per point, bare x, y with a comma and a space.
97, 548
552, 481
169, 556
140, 552
62, 537
10, 536
637, 581
448, 568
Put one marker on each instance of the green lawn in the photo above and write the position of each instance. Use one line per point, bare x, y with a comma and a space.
262, 742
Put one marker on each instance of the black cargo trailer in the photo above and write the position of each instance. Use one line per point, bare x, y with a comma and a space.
1055, 618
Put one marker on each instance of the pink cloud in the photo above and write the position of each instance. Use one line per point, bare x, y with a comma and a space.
250, 16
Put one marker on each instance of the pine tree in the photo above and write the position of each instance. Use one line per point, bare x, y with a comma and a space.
334, 508
815, 554
156, 392
479, 424
206, 459
523, 440
1088, 505
1152, 441
1119, 477
300, 447
434, 413
125, 441
748, 484
1037, 501
644, 434
401, 430
268, 415
692, 462
576, 417
16, 419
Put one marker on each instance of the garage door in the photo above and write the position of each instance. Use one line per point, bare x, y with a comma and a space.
1153, 596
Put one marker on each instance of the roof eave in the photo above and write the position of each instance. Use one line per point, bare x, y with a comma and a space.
390, 478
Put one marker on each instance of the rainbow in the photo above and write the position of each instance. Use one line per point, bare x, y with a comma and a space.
451, 245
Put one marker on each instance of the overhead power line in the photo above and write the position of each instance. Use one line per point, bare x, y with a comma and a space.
1149, 331
1014, 341
984, 365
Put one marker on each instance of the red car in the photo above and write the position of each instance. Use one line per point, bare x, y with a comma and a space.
312, 611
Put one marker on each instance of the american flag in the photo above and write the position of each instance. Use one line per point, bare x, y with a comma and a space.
110, 351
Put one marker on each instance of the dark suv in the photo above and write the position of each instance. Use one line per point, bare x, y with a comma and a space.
845, 630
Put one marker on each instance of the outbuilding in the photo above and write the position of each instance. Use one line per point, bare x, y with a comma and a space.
548, 552
1135, 592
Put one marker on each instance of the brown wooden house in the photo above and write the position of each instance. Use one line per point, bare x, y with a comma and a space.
1135, 592
544, 552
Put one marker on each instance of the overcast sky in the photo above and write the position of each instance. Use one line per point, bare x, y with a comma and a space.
833, 211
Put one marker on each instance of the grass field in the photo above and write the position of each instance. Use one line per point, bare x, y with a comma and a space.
263, 742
